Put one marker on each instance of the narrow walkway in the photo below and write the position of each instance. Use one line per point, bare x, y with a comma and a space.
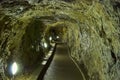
62, 67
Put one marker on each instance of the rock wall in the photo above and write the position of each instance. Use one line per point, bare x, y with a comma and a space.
20, 42
95, 42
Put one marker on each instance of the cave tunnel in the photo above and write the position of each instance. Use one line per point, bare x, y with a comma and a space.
59, 40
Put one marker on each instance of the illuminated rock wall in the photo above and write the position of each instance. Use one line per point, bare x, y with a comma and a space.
95, 42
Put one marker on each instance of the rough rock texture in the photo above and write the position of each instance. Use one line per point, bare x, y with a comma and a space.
90, 28
20, 42
96, 45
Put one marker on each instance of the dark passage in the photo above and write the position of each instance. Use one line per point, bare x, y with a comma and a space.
62, 67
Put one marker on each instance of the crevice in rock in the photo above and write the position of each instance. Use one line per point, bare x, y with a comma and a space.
102, 31
68, 0
116, 5
113, 56
109, 40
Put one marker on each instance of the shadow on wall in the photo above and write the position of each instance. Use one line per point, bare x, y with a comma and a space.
31, 46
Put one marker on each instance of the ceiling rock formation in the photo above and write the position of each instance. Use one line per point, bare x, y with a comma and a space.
91, 30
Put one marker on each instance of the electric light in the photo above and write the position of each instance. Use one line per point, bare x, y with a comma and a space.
50, 38
14, 68
57, 36
45, 45
44, 62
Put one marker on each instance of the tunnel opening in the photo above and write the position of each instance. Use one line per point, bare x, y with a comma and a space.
57, 32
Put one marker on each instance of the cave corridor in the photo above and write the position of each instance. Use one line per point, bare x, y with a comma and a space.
59, 39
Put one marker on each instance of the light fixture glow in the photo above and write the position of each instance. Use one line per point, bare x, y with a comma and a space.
44, 62
57, 36
50, 38
45, 45
14, 68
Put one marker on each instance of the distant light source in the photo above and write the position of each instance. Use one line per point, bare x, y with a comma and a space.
45, 45
14, 68
44, 62
57, 37
50, 38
